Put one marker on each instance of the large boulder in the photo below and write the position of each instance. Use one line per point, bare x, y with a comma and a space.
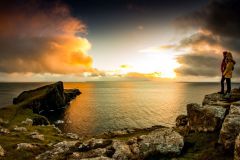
230, 128
122, 151
49, 97
162, 141
205, 118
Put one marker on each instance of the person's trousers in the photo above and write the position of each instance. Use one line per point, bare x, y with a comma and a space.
228, 80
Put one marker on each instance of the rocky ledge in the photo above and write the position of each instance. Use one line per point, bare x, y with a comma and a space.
208, 131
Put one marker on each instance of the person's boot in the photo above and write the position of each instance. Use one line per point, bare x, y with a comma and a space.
228, 95
221, 92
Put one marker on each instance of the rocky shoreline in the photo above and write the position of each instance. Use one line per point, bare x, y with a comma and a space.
208, 131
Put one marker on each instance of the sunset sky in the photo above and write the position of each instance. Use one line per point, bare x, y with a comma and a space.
86, 40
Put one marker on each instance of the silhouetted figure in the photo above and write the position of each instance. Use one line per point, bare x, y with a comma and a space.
223, 67
227, 69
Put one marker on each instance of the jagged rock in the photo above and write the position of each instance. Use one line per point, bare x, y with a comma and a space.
25, 146
212, 98
230, 128
36, 135
20, 129
205, 118
72, 136
182, 125
2, 152
59, 148
40, 120
71, 94
93, 144
162, 141
46, 98
28, 122
181, 120
4, 131
122, 151
237, 148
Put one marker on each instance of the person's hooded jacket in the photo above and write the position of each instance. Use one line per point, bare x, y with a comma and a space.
229, 67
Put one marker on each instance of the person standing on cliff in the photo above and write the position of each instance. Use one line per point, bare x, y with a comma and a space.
227, 73
223, 67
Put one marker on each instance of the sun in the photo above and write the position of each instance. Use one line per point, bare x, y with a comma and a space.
162, 62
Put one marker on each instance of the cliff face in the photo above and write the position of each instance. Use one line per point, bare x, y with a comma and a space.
49, 97
217, 115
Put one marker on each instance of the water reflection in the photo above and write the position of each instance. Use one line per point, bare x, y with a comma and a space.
115, 105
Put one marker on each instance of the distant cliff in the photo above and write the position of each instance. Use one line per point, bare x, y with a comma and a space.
49, 97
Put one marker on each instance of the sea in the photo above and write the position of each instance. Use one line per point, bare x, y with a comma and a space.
108, 106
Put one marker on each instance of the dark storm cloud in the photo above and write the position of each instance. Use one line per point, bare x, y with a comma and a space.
197, 39
219, 24
203, 64
111, 15
221, 18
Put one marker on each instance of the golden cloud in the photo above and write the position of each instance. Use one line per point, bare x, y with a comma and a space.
43, 40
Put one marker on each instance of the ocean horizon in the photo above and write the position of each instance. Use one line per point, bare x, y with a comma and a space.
106, 106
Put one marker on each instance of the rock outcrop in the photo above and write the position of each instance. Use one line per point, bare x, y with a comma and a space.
46, 98
230, 128
218, 115
205, 118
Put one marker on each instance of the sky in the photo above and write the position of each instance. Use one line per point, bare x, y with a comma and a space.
92, 40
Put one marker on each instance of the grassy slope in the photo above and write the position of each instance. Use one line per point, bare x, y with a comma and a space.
15, 114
